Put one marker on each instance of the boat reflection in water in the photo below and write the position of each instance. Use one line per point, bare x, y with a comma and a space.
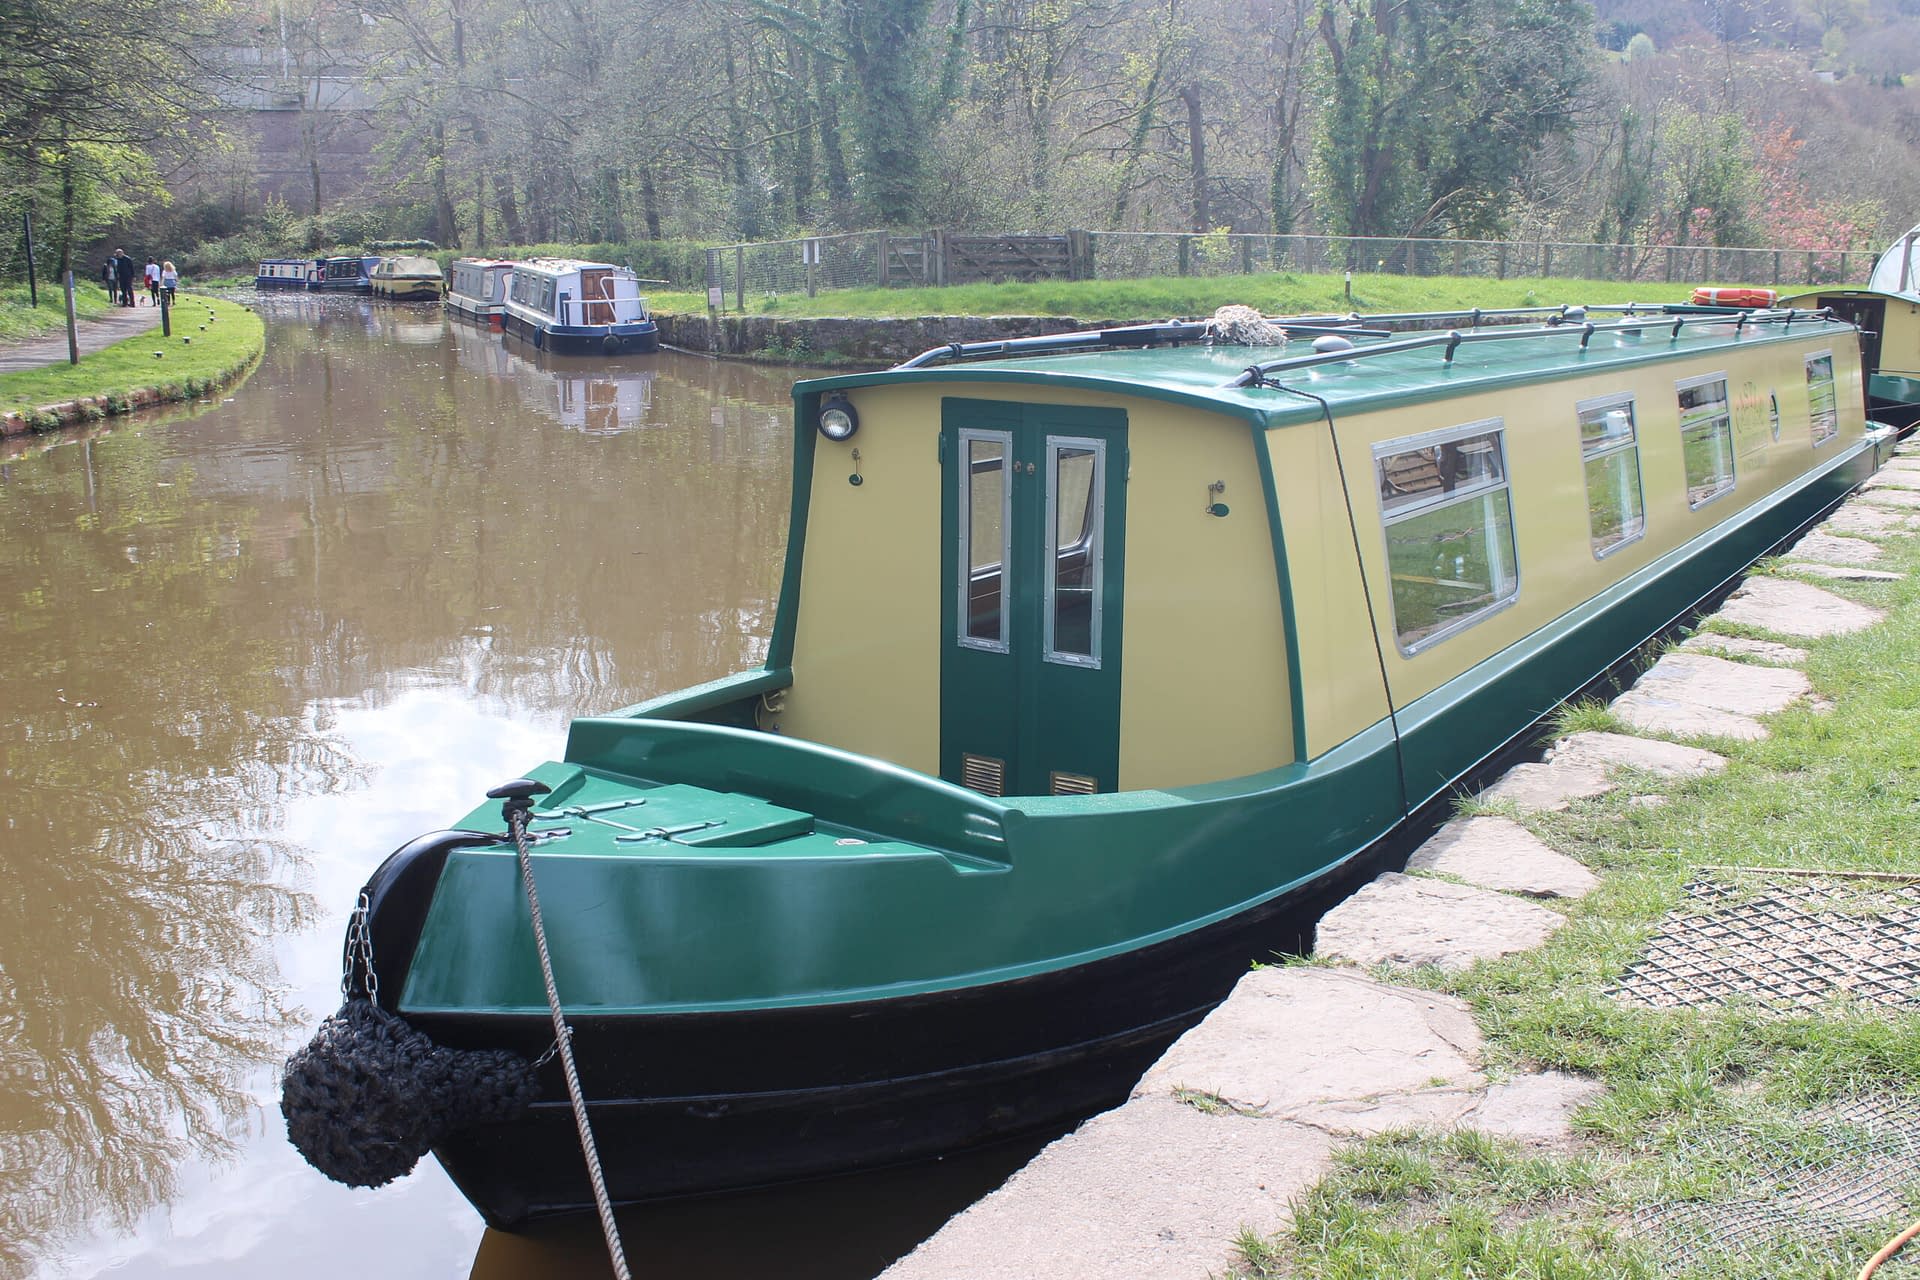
849, 1228
582, 393
410, 324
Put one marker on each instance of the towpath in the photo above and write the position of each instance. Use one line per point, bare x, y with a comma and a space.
95, 335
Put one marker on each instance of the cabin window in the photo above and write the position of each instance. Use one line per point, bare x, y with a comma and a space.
1074, 487
1706, 438
1822, 406
1448, 512
986, 521
1610, 450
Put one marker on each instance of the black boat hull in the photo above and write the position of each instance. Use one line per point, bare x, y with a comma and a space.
694, 1104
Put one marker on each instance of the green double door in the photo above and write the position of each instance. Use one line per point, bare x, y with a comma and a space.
1033, 521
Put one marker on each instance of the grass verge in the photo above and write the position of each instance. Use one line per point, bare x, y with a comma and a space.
1702, 1106
20, 319
1274, 293
213, 342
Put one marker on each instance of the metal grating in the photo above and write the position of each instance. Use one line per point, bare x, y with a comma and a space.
1783, 942
984, 774
1868, 1159
1071, 784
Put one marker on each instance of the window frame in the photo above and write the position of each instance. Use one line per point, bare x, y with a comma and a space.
1608, 449
1726, 432
1093, 532
1833, 404
964, 636
1482, 490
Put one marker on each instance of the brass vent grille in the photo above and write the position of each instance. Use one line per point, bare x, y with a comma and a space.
1071, 784
984, 774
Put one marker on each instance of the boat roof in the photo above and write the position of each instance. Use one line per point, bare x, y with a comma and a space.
486, 262
1274, 386
414, 264
563, 266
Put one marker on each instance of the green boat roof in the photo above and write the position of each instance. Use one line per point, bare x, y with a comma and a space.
1375, 373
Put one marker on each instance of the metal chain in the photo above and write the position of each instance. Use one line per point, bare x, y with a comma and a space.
563, 1041
359, 947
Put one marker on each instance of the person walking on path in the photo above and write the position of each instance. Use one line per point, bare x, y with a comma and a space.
169, 280
123, 273
111, 280
153, 282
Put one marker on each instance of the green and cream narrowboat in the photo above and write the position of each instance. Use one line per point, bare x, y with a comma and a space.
1096, 658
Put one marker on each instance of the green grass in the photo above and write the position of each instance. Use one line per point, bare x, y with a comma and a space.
18, 319
1700, 1104
1162, 297
202, 353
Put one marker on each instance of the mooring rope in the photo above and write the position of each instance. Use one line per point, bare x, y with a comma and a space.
515, 811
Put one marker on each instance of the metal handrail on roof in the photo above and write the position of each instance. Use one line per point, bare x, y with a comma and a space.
1170, 332
1574, 325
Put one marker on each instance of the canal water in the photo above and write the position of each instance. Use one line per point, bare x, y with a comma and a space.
250, 646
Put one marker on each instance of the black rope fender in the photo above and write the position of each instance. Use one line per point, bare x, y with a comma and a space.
370, 1094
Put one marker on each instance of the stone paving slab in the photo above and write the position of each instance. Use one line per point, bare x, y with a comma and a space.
1855, 518
1829, 548
1841, 572
1890, 496
1796, 609
1892, 477
1582, 766
1536, 1109
1693, 695
1400, 919
1772, 651
1655, 713
1739, 687
1498, 853
1155, 1190
1293, 1037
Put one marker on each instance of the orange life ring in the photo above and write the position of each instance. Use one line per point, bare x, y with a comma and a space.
1734, 297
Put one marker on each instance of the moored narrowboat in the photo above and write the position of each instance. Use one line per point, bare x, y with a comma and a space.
282, 273
407, 278
578, 308
478, 289
342, 275
1887, 313
1096, 656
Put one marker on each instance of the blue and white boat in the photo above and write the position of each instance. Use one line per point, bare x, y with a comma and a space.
342, 275
578, 308
282, 273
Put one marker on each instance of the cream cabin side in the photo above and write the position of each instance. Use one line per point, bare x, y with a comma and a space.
1035, 589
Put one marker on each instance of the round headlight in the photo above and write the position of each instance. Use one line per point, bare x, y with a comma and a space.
838, 421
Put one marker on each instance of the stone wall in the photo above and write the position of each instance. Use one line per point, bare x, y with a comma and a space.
860, 342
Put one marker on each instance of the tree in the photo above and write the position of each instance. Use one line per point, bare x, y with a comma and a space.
91, 87
1435, 108
885, 49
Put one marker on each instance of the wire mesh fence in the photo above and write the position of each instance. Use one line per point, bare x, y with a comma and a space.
745, 273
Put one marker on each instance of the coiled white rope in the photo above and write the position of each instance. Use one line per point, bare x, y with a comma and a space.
563, 1041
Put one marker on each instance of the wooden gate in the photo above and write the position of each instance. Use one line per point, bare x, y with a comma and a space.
969, 259
908, 261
